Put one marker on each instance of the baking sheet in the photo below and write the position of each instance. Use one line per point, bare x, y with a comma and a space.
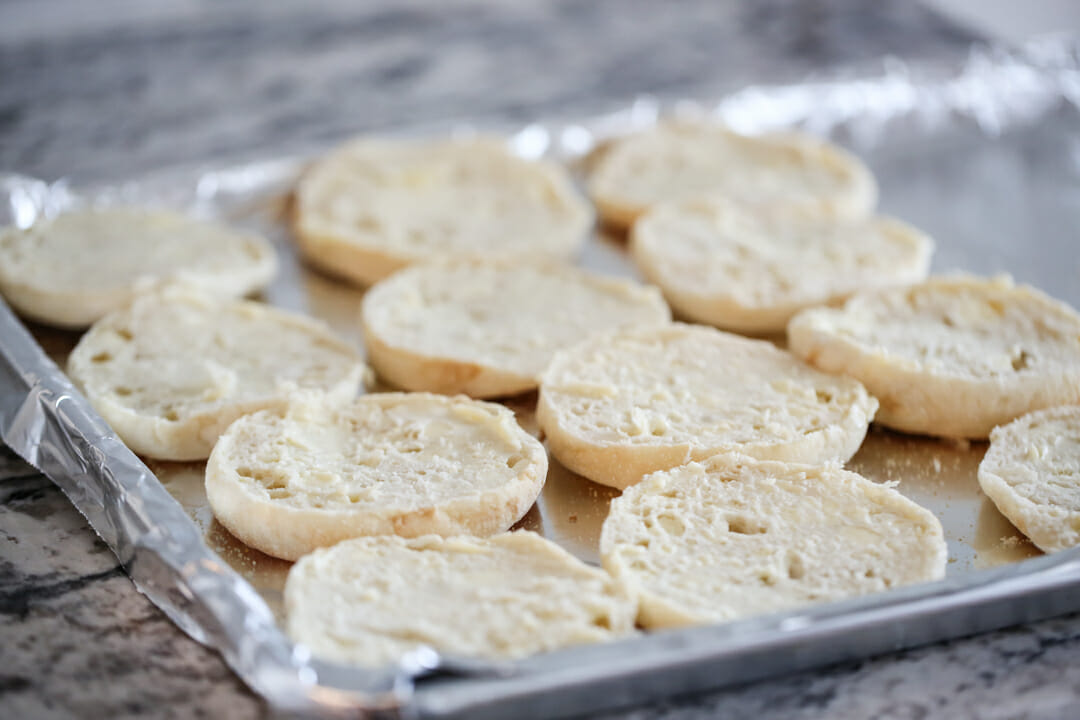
938, 474
985, 158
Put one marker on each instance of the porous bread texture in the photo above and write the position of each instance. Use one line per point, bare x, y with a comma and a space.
954, 356
1032, 474
374, 206
72, 270
730, 537
750, 269
488, 329
623, 404
290, 480
676, 161
370, 600
172, 370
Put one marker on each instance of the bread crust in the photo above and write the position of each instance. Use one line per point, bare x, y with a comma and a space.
749, 270
488, 328
1032, 474
991, 351
374, 206
333, 494
370, 600
595, 403
168, 376
71, 271
733, 536
678, 160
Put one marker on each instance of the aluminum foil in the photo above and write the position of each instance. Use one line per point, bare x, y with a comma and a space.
985, 157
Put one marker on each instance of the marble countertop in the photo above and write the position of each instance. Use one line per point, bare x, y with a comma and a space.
103, 91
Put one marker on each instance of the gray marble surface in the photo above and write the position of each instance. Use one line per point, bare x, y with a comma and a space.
117, 87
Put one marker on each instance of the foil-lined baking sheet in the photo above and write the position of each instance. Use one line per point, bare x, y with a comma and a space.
985, 157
